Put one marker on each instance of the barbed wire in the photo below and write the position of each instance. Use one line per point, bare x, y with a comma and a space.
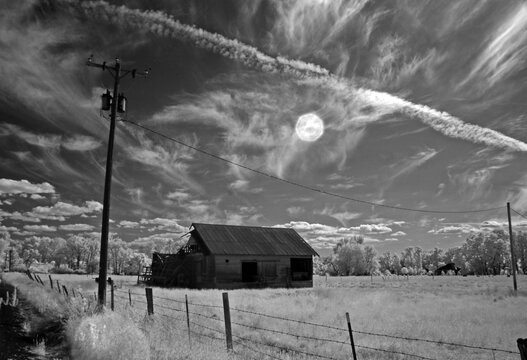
169, 308
205, 316
287, 319
394, 352
282, 348
433, 341
256, 350
206, 327
206, 305
291, 334
215, 318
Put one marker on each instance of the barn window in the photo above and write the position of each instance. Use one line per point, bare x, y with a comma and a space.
301, 269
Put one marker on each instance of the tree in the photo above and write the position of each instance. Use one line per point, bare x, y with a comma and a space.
28, 251
118, 253
520, 241
385, 262
76, 249
370, 259
5, 239
91, 255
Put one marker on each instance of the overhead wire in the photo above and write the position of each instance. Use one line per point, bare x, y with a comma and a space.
303, 186
517, 213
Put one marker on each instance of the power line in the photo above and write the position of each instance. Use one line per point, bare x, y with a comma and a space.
303, 186
523, 216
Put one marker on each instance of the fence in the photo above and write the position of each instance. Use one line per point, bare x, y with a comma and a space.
242, 327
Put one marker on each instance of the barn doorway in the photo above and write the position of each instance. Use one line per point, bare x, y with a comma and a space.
249, 271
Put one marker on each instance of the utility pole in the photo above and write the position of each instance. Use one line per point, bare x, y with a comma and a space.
114, 104
513, 258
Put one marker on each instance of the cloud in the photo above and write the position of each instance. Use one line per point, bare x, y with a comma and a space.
342, 215
295, 210
129, 224
391, 239
179, 195
9, 186
164, 224
76, 227
244, 186
162, 25
60, 210
398, 233
40, 228
324, 236
406, 166
372, 229
454, 229
16, 215
168, 159
504, 54
7, 228
81, 143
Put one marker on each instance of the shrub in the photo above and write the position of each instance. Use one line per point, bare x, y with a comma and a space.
108, 336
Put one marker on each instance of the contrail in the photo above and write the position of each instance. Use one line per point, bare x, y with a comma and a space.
161, 24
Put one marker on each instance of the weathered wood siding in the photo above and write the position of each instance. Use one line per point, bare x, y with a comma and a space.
272, 271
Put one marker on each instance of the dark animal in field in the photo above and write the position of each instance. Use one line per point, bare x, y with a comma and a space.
446, 268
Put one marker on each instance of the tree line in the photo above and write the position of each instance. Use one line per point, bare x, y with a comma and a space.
482, 253
79, 253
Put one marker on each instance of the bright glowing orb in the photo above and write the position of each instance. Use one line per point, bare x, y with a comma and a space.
309, 127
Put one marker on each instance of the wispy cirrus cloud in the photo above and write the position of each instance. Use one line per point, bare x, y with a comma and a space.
504, 53
162, 25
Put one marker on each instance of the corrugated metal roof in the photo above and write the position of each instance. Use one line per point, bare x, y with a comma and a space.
252, 240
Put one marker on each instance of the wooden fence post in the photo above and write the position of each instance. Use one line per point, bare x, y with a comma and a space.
58, 287
130, 296
65, 290
351, 336
188, 322
227, 315
73, 292
50, 282
139, 273
522, 345
28, 273
149, 301
111, 296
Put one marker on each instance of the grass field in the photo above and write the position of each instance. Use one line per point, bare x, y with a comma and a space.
476, 311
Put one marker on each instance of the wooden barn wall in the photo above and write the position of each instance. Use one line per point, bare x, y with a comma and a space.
229, 273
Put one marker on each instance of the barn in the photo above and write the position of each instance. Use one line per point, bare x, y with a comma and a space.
230, 257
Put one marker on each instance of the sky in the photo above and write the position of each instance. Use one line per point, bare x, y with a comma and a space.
400, 121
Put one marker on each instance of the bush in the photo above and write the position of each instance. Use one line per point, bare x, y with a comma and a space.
108, 336
66, 270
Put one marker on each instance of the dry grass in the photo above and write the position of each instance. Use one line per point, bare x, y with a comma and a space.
478, 311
